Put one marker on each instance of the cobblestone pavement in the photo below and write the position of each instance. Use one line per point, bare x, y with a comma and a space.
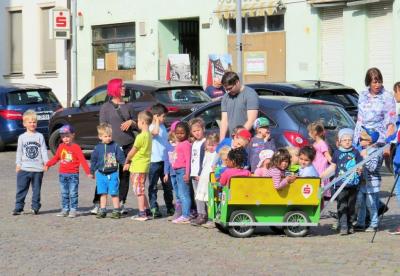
50, 245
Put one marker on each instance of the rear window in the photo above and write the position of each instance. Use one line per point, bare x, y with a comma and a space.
28, 97
332, 116
181, 96
347, 98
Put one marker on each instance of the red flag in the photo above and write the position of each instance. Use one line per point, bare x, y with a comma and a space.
168, 72
209, 73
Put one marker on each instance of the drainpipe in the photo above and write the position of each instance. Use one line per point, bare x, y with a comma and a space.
239, 45
74, 61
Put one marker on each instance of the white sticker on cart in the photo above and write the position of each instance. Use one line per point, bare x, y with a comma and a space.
306, 190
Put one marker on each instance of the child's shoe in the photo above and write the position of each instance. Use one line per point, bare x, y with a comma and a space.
156, 213
201, 219
181, 220
140, 218
116, 214
95, 209
16, 212
170, 211
34, 211
359, 228
177, 214
344, 232
63, 213
101, 214
209, 224
72, 214
123, 211
371, 229
395, 232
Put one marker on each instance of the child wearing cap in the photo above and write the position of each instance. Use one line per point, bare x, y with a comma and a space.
261, 141
368, 194
344, 158
263, 165
71, 157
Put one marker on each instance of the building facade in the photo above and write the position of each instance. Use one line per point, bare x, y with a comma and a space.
27, 52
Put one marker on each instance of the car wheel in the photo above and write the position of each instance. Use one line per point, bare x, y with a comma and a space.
241, 216
296, 231
54, 141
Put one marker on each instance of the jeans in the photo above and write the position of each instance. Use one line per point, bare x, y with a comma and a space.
123, 180
184, 192
370, 201
175, 188
69, 184
24, 179
346, 205
156, 172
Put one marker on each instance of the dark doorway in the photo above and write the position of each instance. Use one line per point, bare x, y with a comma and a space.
189, 44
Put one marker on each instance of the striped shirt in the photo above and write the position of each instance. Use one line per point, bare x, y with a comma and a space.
278, 176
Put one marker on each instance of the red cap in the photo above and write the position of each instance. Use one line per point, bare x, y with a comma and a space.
245, 134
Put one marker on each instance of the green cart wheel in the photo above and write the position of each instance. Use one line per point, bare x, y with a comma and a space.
296, 231
241, 216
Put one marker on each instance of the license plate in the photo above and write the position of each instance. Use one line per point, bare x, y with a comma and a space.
42, 117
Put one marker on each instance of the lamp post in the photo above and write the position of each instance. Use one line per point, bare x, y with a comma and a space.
239, 45
74, 61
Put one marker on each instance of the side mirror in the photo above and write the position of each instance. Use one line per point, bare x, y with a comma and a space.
76, 103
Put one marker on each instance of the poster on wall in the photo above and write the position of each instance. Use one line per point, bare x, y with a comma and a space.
255, 63
217, 66
178, 68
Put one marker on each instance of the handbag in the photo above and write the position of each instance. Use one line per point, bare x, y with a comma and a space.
119, 112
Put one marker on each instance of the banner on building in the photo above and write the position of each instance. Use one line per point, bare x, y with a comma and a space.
178, 68
217, 66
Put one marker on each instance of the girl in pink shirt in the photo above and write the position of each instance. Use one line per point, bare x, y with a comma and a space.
181, 166
322, 159
235, 163
279, 164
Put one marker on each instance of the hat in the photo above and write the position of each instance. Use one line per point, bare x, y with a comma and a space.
261, 122
369, 134
245, 134
173, 125
66, 129
345, 131
265, 154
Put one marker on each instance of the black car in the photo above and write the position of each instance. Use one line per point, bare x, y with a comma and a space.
289, 118
322, 90
179, 98
15, 99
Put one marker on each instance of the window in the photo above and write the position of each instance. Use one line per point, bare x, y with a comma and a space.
275, 23
232, 25
266, 92
48, 46
16, 42
114, 38
181, 96
97, 99
256, 24
31, 97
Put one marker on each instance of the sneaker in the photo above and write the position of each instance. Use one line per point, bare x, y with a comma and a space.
371, 229
181, 220
34, 211
209, 224
351, 230
116, 214
395, 232
16, 212
95, 209
201, 219
170, 211
359, 228
344, 232
123, 211
63, 213
335, 226
72, 214
156, 213
140, 218
101, 214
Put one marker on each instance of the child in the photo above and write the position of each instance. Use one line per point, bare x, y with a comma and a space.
138, 163
220, 165
279, 164
30, 159
306, 158
264, 163
71, 157
261, 141
294, 159
169, 173
368, 194
209, 160
181, 166
196, 126
344, 158
158, 159
104, 164
227, 141
322, 159
235, 163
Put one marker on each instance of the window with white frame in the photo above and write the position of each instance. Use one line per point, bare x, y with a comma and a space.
119, 38
258, 24
15, 42
48, 46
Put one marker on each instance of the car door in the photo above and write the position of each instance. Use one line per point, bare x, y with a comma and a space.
85, 121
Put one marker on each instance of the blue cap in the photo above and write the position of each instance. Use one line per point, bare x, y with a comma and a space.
66, 129
372, 133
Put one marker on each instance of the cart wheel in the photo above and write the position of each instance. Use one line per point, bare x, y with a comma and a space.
221, 228
277, 230
241, 231
296, 231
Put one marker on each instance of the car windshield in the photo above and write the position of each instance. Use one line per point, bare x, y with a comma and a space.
345, 97
27, 97
181, 96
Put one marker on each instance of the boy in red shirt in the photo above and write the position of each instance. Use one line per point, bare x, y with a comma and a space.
70, 156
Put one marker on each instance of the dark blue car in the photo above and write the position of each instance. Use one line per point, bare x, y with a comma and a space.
15, 99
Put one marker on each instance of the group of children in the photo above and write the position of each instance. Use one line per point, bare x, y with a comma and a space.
185, 156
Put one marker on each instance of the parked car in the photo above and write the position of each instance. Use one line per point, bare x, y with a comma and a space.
322, 90
179, 98
289, 117
15, 99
